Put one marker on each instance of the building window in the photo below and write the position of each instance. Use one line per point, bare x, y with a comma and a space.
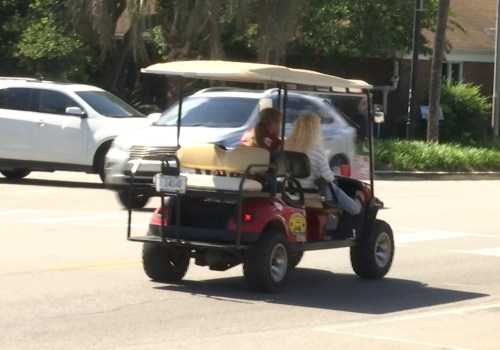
453, 71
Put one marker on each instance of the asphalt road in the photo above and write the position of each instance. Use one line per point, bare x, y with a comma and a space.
70, 280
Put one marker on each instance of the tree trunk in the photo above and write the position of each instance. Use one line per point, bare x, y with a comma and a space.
436, 72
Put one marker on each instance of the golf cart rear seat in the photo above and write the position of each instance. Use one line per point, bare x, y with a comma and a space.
241, 160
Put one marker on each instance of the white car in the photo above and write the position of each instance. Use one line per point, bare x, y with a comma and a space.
215, 115
48, 126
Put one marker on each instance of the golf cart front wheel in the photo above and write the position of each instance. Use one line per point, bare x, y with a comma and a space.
373, 258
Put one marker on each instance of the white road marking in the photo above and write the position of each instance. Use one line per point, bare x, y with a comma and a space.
449, 311
400, 340
74, 218
144, 224
96, 265
423, 236
24, 211
386, 320
141, 221
485, 251
9, 192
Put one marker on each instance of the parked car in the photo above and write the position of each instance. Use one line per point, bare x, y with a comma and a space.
221, 116
48, 126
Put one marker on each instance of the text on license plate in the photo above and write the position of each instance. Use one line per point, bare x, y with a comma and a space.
169, 183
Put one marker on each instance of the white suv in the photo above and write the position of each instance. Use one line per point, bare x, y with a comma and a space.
48, 126
216, 115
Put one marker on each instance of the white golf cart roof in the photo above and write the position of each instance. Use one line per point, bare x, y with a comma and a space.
253, 73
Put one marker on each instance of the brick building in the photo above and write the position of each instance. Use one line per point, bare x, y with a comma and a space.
470, 59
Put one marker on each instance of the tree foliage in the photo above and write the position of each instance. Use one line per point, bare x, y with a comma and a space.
73, 38
11, 14
45, 45
360, 28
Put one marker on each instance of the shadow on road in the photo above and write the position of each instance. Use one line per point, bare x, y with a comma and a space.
326, 290
52, 183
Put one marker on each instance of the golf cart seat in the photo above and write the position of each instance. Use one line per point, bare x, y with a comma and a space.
202, 164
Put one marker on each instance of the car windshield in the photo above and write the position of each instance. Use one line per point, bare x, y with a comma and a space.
108, 104
214, 112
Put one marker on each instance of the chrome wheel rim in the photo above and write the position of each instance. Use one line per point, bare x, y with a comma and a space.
383, 250
278, 262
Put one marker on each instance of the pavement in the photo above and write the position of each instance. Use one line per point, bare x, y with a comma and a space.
436, 175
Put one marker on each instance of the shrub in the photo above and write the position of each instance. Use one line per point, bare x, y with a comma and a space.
466, 114
405, 155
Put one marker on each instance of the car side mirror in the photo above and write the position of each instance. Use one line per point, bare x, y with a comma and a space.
378, 114
75, 111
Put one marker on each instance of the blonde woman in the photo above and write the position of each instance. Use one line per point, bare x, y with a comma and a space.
306, 137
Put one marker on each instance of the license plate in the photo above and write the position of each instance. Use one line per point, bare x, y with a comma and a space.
169, 183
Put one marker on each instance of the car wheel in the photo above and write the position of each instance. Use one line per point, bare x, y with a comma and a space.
165, 264
15, 173
266, 264
373, 258
336, 162
100, 161
137, 200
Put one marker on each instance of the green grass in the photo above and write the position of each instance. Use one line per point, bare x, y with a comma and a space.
402, 155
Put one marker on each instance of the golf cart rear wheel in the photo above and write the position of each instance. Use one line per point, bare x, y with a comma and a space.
373, 259
164, 264
266, 264
138, 200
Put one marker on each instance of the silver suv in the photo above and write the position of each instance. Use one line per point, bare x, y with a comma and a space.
48, 126
215, 115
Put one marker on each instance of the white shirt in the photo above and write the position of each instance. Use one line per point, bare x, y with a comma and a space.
319, 167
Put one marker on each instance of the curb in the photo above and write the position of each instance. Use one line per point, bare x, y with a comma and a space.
436, 175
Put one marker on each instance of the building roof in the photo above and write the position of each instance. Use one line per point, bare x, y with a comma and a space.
478, 18
476, 43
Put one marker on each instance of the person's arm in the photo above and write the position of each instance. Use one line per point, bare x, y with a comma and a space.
324, 167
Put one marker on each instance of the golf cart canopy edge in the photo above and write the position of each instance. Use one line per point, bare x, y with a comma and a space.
252, 73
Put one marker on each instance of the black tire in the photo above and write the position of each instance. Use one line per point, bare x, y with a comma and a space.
373, 258
15, 173
100, 162
137, 201
266, 264
164, 264
295, 259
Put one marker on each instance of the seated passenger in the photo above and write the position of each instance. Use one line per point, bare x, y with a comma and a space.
265, 133
306, 137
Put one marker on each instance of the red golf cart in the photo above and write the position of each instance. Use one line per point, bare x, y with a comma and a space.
225, 207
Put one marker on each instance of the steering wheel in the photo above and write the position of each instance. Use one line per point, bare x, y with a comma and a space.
292, 193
